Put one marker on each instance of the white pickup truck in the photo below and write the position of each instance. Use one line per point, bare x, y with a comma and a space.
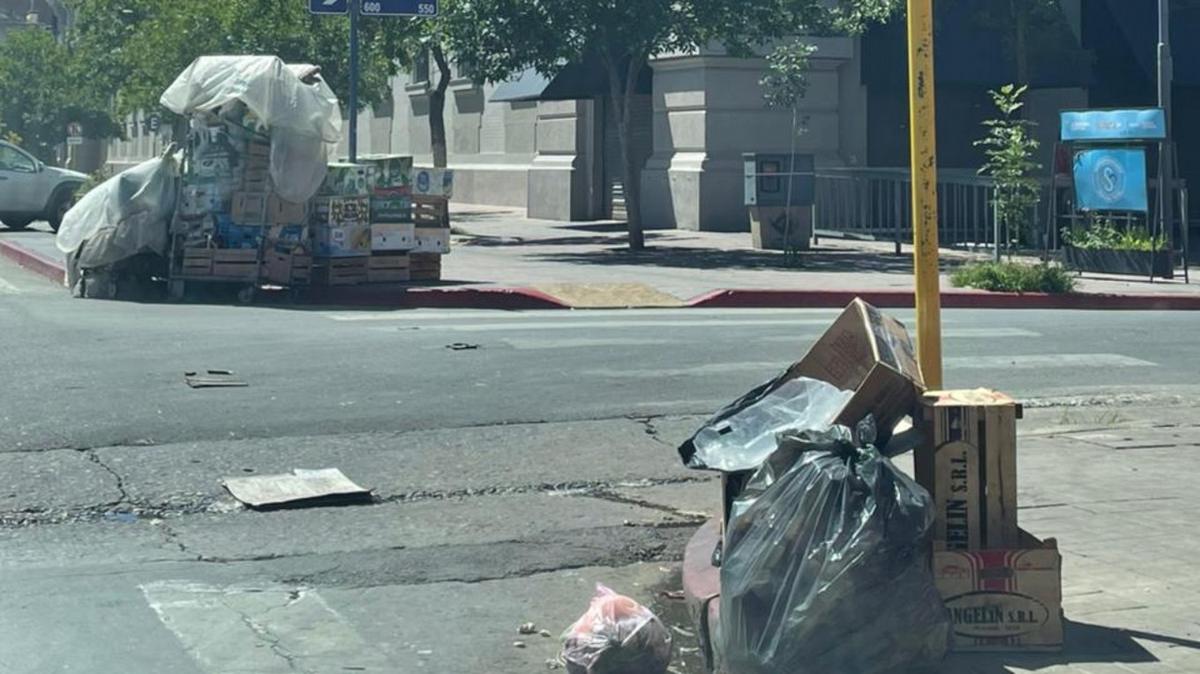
30, 190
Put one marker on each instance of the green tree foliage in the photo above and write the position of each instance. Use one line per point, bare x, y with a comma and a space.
144, 44
623, 35
1009, 147
45, 89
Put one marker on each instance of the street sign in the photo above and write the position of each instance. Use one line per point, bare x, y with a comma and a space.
328, 6
399, 8
1133, 124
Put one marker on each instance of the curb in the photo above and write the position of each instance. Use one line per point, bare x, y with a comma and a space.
522, 298
34, 262
951, 299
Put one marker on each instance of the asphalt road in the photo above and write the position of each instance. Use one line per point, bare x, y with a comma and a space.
517, 458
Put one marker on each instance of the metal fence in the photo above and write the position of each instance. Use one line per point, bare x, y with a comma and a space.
877, 203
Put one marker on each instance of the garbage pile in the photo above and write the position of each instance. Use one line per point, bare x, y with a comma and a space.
249, 195
831, 559
824, 555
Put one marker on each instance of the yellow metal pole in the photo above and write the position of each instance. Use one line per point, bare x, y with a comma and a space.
923, 151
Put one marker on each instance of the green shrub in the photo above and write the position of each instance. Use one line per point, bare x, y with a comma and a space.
1013, 277
1103, 235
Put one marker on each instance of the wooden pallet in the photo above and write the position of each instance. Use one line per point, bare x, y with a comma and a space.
431, 211
424, 266
219, 264
287, 269
340, 271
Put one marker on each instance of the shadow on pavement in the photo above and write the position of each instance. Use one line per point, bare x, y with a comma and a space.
1085, 644
714, 258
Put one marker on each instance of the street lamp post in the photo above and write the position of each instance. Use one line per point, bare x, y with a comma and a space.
1166, 169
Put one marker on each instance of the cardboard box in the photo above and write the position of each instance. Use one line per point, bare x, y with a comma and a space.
389, 173
1003, 600
433, 182
352, 240
392, 236
231, 235
201, 199
870, 354
280, 212
968, 462
249, 208
341, 210
391, 209
431, 240
346, 180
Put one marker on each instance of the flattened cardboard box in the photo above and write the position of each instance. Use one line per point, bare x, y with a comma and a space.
968, 463
1003, 600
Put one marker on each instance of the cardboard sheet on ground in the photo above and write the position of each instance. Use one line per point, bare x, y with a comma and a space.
326, 486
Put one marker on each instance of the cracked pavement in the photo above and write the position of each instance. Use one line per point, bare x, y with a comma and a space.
507, 479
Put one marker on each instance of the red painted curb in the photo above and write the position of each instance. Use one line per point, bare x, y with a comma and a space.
953, 299
34, 261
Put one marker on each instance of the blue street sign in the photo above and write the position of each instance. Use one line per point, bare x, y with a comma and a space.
399, 7
1111, 180
328, 6
1134, 124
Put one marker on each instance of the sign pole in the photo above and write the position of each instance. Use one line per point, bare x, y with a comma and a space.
354, 5
923, 157
1166, 168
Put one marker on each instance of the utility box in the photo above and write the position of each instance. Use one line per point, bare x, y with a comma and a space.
780, 192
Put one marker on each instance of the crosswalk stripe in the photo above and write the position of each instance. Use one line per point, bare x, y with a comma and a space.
1040, 361
1048, 360
799, 339
266, 630
596, 314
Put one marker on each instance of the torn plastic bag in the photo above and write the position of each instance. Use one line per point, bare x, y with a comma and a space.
826, 564
742, 434
123, 216
305, 119
616, 635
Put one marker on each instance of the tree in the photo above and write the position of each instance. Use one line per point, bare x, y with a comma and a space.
623, 35
142, 45
1009, 146
1035, 33
44, 90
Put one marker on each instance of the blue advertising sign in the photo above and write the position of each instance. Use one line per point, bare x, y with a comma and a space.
1111, 180
399, 8
328, 6
1133, 124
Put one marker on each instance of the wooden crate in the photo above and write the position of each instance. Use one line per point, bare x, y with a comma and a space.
287, 268
340, 271
236, 264
431, 211
388, 268
196, 262
968, 463
424, 266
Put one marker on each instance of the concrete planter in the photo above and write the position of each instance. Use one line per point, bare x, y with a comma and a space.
1113, 261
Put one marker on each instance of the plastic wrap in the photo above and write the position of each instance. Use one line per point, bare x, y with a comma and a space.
826, 564
742, 434
616, 635
305, 119
123, 216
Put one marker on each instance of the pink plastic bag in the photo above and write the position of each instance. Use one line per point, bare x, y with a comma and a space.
616, 635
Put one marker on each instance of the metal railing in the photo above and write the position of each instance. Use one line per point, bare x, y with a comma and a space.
877, 203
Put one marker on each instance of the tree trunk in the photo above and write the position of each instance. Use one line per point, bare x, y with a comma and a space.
437, 108
621, 92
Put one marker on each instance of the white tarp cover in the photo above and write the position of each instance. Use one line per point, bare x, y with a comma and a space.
305, 119
123, 216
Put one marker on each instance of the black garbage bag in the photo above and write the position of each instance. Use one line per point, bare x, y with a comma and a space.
826, 563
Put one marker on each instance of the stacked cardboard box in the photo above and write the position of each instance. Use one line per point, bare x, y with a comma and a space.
341, 225
1003, 587
392, 232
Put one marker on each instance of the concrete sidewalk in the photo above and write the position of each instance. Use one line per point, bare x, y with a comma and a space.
501, 259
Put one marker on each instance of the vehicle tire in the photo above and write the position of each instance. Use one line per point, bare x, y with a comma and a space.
16, 223
60, 203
